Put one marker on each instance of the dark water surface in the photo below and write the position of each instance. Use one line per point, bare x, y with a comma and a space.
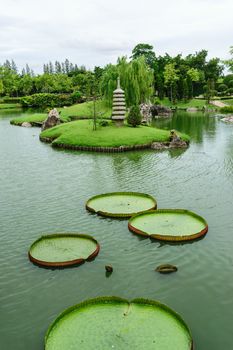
43, 190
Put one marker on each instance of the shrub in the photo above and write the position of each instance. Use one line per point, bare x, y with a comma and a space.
103, 123
222, 87
77, 97
47, 100
227, 109
230, 91
134, 117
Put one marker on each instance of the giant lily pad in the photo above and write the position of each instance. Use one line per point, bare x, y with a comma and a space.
120, 204
60, 250
169, 225
114, 323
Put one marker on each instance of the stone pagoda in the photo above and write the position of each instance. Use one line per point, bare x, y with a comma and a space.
118, 106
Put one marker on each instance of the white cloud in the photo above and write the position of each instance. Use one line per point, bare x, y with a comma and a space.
95, 32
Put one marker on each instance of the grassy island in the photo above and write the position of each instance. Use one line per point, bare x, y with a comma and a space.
34, 119
80, 135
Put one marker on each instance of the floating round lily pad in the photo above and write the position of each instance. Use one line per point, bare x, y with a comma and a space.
115, 323
60, 250
169, 225
121, 204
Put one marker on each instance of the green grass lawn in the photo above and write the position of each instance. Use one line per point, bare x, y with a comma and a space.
181, 104
30, 118
9, 105
228, 101
81, 133
85, 110
79, 111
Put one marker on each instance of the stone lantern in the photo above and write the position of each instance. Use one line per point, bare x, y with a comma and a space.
118, 106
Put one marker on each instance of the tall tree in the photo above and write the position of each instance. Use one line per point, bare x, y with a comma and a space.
136, 79
170, 78
145, 50
229, 63
193, 75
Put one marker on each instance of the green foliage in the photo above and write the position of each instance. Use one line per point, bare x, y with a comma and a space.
227, 109
229, 63
136, 80
222, 87
146, 51
47, 100
170, 78
134, 117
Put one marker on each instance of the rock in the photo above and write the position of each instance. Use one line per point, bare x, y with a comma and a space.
160, 111
175, 140
108, 270
159, 145
228, 119
178, 144
192, 109
52, 120
145, 110
166, 268
26, 125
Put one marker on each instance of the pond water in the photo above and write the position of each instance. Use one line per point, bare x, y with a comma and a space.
43, 190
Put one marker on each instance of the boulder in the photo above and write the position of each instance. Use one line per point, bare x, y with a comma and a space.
145, 110
160, 111
52, 120
26, 125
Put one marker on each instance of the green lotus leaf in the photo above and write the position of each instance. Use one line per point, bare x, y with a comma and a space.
169, 225
121, 204
60, 250
114, 323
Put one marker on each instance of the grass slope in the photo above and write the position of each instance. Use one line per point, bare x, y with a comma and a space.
30, 118
85, 110
228, 101
9, 105
81, 133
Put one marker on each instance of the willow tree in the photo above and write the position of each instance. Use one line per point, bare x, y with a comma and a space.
136, 79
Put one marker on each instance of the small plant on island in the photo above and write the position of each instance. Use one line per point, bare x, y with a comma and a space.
134, 117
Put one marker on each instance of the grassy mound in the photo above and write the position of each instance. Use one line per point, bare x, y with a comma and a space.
81, 133
85, 110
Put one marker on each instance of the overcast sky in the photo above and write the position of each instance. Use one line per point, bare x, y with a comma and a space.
96, 32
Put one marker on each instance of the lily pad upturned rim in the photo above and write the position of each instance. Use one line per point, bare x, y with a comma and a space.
64, 263
169, 237
118, 300
119, 215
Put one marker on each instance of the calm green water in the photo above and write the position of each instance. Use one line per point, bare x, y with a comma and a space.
44, 191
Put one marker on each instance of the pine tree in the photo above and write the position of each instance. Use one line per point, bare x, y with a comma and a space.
14, 67
51, 68
28, 70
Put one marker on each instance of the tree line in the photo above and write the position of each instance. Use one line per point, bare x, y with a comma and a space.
143, 76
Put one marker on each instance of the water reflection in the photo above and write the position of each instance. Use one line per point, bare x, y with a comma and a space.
196, 125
